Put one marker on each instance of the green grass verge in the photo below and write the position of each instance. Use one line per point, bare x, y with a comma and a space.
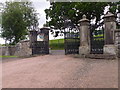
57, 44
100, 35
7, 56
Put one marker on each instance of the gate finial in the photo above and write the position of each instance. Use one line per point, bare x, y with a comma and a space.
84, 19
109, 14
84, 16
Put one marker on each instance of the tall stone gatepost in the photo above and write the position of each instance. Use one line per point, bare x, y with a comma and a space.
110, 26
84, 48
117, 41
33, 37
45, 32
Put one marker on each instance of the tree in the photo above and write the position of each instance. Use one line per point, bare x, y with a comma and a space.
17, 19
1, 8
60, 12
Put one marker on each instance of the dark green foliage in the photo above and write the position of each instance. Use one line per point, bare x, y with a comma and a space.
59, 12
17, 19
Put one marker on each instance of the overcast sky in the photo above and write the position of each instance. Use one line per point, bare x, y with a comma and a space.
40, 6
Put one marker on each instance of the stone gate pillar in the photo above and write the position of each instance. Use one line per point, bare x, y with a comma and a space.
117, 42
110, 26
84, 48
33, 36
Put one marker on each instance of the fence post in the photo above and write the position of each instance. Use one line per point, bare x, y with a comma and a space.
84, 48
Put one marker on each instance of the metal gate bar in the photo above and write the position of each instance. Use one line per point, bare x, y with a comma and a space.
40, 47
72, 41
97, 44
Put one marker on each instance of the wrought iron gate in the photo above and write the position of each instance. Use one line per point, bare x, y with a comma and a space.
40, 47
71, 41
97, 42
39, 41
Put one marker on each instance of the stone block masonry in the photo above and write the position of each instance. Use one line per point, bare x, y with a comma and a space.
110, 26
117, 41
21, 49
84, 48
111, 45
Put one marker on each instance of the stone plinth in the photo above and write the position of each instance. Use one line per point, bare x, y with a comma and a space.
110, 49
84, 50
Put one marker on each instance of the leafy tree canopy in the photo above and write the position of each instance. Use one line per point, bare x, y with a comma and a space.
60, 12
17, 19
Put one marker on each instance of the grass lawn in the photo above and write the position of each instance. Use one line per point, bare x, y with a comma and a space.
57, 44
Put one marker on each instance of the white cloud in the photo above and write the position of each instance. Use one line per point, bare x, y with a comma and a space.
40, 6
2, 41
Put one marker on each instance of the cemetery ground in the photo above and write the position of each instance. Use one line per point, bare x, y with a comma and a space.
57, 70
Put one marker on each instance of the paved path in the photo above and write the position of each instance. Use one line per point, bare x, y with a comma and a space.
60, 71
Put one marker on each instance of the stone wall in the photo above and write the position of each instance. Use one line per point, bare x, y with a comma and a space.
12, 50
4, 50
7, 50
21, 49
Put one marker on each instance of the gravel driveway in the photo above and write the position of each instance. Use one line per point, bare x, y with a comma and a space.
60, 71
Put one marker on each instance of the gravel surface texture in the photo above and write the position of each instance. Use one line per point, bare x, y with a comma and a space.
59, 71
